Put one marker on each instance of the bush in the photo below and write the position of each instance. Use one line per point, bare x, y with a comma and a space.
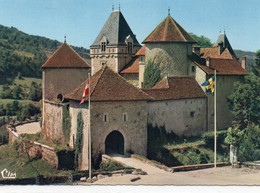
3, 135
208, 138
109, 165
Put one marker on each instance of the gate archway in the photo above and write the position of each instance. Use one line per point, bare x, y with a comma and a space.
114, 143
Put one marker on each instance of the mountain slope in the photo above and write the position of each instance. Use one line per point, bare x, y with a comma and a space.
24, 54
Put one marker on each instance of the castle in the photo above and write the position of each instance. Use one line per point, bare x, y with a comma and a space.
121, 109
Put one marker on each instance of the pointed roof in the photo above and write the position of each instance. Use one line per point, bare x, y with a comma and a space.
65, 57
141, 51
176, 87
115, 30
214, 53
222, 39
169, 31
106, 85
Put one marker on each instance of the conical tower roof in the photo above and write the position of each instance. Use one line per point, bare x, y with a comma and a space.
169, 31
222, 39
65, 57
115, 30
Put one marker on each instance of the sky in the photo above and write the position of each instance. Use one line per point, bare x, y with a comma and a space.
82, 20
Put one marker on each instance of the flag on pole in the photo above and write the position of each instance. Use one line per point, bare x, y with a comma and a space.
209, 84
85, 92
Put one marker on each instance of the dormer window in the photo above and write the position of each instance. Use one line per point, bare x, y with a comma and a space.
129, 43
103, 46
130, 47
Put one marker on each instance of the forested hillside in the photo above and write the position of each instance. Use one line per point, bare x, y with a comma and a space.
22, 54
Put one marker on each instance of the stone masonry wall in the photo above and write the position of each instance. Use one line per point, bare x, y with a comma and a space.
173, 57
62, 81
45, 152
183, 117
75, 108
132, 79
52, 121
134, 130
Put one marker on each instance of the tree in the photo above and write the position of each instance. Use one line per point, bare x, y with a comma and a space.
203, 41
245, 105
256, 66
79, 139
152, 74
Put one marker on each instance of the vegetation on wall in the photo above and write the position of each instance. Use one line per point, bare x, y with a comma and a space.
79, 139
152, 74
66, 122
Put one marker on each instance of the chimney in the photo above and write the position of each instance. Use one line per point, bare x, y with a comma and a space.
207, 61
243, 62
196, 50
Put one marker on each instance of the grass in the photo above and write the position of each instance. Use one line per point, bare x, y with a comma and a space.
5, 101
194, 144
19, 164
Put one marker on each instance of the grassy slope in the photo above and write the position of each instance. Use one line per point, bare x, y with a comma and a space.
19, 164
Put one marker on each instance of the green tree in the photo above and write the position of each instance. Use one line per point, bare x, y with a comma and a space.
245, 105
152, 74
256, 66
203, 41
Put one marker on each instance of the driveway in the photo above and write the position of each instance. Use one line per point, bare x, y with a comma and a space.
155, 176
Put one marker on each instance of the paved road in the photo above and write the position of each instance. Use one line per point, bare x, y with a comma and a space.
156, 176
30, 128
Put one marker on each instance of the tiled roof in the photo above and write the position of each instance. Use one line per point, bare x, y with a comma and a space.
173, 88
169, 31
141, 52
106, 85
132, 67
65, 57
115, 30
213, 53
222, 66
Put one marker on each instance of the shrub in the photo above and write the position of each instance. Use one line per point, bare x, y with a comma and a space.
79, 139
208, 138
3, 135
109, 165
66, 123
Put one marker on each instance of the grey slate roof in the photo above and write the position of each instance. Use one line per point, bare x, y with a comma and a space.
116, 30
222, 38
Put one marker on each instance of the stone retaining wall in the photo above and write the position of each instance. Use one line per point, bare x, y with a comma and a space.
38, 150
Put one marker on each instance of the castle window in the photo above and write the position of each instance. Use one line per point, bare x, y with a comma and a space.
60, 97
102, 63
141, 59
124, 117
103, 46
193, 68
192, 113
130, 47
105, 118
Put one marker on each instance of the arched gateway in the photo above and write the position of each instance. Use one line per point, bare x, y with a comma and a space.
114, 143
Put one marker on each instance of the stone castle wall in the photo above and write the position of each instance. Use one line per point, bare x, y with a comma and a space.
183, 117
62, 81
134, 130
173, 57
75, 108
132, 79
52, 121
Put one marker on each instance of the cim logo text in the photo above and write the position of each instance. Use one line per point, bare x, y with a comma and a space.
8, 175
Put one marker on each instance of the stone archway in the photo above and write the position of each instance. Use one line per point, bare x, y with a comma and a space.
114, 143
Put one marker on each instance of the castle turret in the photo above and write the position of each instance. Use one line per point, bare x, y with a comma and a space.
115, 45
170, 45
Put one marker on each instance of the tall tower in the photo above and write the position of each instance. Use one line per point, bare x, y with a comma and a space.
170, 45
115, 45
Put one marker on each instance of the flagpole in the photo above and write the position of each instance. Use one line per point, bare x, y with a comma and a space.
215, 120
89, 133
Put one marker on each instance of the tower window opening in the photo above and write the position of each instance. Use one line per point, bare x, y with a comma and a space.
129, 47
103, 46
